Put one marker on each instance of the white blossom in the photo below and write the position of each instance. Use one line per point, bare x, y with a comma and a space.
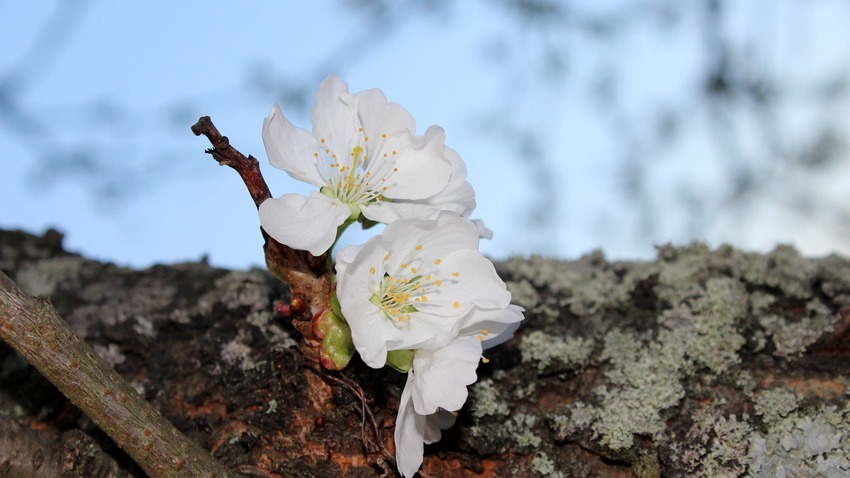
437, 382
413, 286
365, 159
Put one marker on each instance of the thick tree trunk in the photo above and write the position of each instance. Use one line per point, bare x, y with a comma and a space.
701, 363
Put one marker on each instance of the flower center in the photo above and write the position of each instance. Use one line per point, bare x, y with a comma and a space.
408, 287
358, 178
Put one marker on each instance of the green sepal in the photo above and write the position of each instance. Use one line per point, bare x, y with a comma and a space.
337, 346
401, 360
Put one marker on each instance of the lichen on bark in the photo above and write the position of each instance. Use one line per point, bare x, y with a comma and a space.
700, 363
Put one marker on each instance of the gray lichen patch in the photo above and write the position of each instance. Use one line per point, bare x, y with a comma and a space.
641, 383
791, 336
553, 353
783, 269
521, 428
810, 443
715, 444
711, 337
237, 352
111, 354
644, 378
547, 286
775, 404
238, 290
486, 400
542, 465
42, 277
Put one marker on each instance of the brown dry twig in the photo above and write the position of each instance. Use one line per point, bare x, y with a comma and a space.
33, 328
308, 276
247, 167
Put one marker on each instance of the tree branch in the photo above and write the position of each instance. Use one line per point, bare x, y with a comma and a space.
33, 328
247, 167
307, 275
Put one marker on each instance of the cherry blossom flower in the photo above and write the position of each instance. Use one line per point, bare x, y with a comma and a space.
368, 164
413, 286
437, 381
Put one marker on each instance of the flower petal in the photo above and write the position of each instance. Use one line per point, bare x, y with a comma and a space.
309, 224
380, 117
335, 117
438, 237
500, 324
422, 170
425, 330
440, 376
371, 331
483, 231
291, 149
389, 212
434, 424
458, 191
409, 434
468, 279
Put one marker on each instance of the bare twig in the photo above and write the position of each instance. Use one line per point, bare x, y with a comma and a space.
34, 329
308, 276
247, 167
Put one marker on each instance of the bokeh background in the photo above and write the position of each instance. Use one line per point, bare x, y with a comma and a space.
585, 124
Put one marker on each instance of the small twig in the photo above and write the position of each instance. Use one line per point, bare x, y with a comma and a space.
34, 329
308, 276
247, 167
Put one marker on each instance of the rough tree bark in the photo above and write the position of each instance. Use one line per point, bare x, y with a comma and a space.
701, 363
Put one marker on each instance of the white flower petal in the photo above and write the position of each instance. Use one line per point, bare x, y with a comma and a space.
370, 340
438, 237
409, 434
345, 257
380, 117
422, 170
371, 330
440, 376
304, 223
291, 149
483, 231
335, 117
425, 330
458, 191
389, 212
434, 424
500, 324
476, 284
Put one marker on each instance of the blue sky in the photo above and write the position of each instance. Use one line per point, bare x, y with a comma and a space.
133, 77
